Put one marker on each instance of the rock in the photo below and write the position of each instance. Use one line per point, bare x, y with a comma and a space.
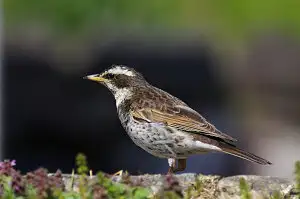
158, 179
260, 186
201, 186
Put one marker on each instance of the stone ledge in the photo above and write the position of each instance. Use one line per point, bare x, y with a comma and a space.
213, 186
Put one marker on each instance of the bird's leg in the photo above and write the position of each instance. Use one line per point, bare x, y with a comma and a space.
170, 171
181, 165
172, 165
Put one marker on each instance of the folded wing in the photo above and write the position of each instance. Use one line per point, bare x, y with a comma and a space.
180, 117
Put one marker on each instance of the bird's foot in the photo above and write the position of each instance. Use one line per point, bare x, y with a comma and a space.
172, 165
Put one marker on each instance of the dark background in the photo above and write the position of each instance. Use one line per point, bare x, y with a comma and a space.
53, 116
246, 83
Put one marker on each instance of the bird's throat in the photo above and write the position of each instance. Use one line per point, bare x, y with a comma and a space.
121, 95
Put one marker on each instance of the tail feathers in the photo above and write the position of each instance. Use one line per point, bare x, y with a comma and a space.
244, 155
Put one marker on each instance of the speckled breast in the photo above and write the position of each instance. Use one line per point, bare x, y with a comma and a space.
157, 139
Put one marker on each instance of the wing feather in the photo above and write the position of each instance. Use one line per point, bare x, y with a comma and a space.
156, 105
182, 118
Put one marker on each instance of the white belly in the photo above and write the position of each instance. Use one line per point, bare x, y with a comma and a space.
164, 142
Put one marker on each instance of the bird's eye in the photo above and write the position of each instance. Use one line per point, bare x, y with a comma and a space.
109, 76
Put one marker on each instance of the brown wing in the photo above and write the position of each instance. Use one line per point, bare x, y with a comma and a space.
175, 113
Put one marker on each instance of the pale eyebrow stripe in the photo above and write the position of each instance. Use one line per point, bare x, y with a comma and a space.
121, 71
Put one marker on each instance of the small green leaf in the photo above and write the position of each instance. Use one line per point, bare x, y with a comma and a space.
244, 189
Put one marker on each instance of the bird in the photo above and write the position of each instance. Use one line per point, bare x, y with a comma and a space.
162, 124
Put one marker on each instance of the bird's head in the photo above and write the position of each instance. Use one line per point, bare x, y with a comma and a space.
119, 79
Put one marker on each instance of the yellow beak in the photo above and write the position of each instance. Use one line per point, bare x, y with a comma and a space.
95, 78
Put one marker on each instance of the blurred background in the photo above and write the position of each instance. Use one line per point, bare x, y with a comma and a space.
235, 62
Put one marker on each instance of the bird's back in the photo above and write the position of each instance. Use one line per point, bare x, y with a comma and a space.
155, 105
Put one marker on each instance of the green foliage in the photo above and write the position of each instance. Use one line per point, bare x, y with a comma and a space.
81, 163
244, 189
171, 195
277, 195
195, 189
82, 170
8, 192
139, 193
297, 175
85, 191
231, 17
297, 178
198, 185
113, 190
117, 190
30, 192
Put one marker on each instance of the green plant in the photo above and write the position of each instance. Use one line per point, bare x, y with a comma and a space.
277, 195
194, 190
8, 192
244, 189
81, 163
297, 178
82, 169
